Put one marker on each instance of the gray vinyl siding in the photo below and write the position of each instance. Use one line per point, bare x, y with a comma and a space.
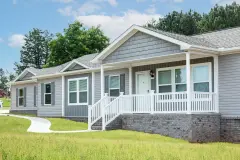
229, 85
78, 110
75, 67
141, 46
27, 76
51, 110
29, 97
111, 72
153, 67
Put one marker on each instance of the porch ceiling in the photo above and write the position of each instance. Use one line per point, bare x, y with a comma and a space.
154, 60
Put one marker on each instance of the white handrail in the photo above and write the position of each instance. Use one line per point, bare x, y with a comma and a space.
95, 113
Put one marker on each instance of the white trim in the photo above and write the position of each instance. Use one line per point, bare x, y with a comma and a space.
216, 79
72, 62
188, 79
136, 80
47, 94
102, 81
78, 91
129, 33
109, 89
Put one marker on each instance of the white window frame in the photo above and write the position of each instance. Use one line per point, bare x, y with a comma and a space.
78, 91
109, 80
173, 83
20, 97
47, 94
209, 64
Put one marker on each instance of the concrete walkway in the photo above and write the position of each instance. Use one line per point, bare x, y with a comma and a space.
42, 125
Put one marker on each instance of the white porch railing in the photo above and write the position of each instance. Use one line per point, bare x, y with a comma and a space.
158, 103
95, 111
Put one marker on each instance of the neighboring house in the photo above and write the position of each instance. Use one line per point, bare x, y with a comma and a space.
157, 82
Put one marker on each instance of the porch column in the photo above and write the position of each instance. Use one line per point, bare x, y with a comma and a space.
188, 78
93, 88
130, 80
102, 81
63, 96
216, 91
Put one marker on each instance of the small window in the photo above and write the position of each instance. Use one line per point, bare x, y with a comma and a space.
164, 81
20, 97
48, 94
201, 78
114, 86
180, 80
78, 91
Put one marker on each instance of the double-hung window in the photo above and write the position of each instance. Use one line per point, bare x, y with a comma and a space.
114, 85
201, 78
47, 94
20, 97
164, 81
78, 91
180, 80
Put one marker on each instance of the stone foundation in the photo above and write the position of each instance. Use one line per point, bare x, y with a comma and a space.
194, 128
34, 112
230, 129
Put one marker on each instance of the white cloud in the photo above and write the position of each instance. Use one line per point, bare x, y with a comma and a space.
16, 40
14, 2
113, 3
63, 1
67, 11
151, 9
113, 26
1, 40
140, 1
224, 2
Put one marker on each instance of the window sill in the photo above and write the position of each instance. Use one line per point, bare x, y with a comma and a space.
77, 104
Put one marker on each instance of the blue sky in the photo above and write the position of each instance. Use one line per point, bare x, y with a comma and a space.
20, 16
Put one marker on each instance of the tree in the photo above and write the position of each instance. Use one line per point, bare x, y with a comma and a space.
75, 42
3, 80
35, 51
178, 22
220, 17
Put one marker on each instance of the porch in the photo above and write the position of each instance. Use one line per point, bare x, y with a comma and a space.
190, 88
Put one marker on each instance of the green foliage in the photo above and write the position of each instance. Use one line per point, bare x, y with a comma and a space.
6, 102
59, 124
220, 17
75, 42
35, 51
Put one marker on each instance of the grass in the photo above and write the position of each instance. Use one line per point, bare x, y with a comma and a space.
109, 145
59, 124
6, 103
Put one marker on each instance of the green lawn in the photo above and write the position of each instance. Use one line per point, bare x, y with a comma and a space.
60, 124
109, 145
6, 103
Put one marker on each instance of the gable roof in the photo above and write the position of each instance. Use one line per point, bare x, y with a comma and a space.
217, 41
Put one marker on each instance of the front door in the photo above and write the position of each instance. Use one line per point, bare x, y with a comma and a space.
143, 84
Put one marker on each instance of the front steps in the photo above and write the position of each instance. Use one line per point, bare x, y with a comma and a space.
115, 124
97, 125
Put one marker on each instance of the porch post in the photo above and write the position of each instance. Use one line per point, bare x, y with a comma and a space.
216, 91
93, 88
63, 96
188, 78
130, 80
102, 81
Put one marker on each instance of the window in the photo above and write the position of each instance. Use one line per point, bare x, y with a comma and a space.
114, 86
201, 78
174, 79
164, 81
78, 91
20, 97
47, 94
180, 80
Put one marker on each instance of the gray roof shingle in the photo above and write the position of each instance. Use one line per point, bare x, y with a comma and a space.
52, 70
